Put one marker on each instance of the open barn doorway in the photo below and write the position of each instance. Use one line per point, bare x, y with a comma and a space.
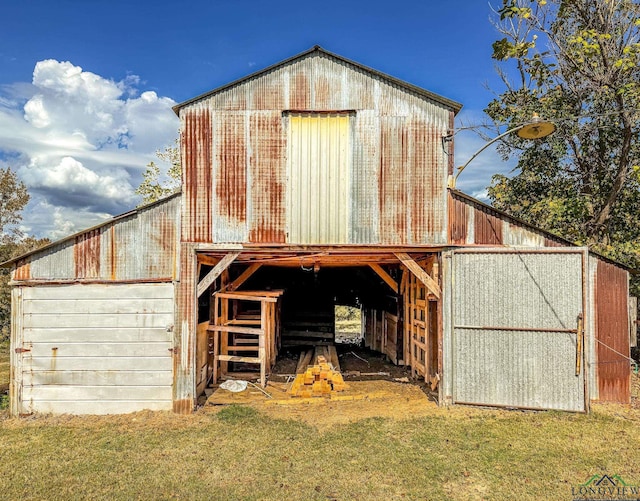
274, 317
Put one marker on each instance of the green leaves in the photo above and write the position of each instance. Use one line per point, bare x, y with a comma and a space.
156, 185
576, 62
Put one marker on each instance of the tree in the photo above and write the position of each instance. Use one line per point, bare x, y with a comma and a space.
575, 62
154, 185
13, 199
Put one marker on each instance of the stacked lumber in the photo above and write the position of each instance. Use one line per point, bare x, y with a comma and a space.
318, 380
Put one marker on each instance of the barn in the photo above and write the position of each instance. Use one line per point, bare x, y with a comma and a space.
314, 182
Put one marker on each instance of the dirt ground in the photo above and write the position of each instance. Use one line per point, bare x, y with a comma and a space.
375, 388
389, 392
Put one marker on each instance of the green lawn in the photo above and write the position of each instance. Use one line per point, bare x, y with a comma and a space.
4, 375
240, 453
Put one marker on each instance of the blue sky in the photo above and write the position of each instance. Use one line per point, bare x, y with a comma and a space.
86, 86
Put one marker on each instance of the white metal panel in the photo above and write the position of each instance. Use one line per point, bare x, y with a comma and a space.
318, 170
97, 349
514, 329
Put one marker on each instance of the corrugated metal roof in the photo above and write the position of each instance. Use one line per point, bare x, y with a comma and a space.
320, 87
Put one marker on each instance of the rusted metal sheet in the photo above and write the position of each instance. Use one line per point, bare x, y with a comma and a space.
86, 254
230, 177
458, 220
144, 246
141, 245
381, 208
196, 187
612, 333
268, 182
472, 222
22, 270
487, 228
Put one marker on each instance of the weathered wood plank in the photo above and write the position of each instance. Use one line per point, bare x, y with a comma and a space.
385, 276
99, 407
224, 263
83, 321
233, 358
101, 364
78, 393
99, 306
421, 274
247, 297
148, 349
99, 378
97, 335
237, 329
100, 291
246, 274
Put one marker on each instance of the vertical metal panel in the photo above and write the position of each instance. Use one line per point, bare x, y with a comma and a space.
458, 220
143, 246
86, 254
54, 262
196, 175
590, 329
22, 270
319, 164
365, 179
230, 177
612, 334
518, 236
511, 316
184, 383
15, 358
393, 189
487, 228
268, 183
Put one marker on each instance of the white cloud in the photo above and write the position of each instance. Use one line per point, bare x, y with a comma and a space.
476, 177
80, 142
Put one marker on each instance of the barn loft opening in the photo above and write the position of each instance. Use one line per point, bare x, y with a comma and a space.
263, 311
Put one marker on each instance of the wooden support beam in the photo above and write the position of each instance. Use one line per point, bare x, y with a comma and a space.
243, 277
420, 274
384, 276
215, 273
208, 260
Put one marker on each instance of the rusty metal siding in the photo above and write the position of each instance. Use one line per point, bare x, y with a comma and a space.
458, 221
54, 262
86, 254
319, 82
268, 184
612, 333
231, 159
196, 154
365, 179
487, 228
513, 316
140, 245
145, 245
514, 235
472, 222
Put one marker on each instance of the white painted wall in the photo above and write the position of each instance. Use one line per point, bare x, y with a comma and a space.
95, 348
